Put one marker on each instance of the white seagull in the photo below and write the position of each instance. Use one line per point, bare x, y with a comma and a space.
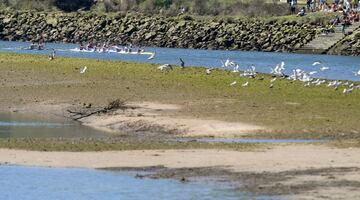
83, 69
228, 63
165, 67
52, 55
236, 69
152, 56
245, 84
323, 68
208, 71
278, 70
273, 80
233, 83
348, 91
357, 73
316, 63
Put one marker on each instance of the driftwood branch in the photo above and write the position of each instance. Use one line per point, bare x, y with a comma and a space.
114, 105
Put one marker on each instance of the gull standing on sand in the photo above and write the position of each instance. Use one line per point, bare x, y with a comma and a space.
83, 69
165, 67
278, 70
273, 80
233, 83
227, 63
348, 91
182, 63
52, 55
245, 84
152, 56
236, 69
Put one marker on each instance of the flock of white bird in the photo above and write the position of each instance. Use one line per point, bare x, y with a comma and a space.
278, 73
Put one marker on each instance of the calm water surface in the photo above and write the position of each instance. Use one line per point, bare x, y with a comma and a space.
15, 125
341, 67
27, 183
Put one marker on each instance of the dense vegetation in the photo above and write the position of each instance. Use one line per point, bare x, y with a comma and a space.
168, 7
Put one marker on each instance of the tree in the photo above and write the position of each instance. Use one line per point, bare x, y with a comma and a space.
73, 5
199, 7
163, 3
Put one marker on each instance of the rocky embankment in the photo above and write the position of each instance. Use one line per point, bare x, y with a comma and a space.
350, 45
182, 32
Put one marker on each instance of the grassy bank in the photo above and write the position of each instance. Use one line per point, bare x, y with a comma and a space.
287, 108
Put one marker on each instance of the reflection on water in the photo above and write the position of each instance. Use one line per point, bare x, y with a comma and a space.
46, 183
15, 125
341, 67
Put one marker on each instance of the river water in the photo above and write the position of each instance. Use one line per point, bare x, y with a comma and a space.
341, 67
27, 183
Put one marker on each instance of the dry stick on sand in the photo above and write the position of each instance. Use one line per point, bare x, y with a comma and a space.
113, 105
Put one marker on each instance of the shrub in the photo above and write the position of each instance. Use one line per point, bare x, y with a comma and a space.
73, 5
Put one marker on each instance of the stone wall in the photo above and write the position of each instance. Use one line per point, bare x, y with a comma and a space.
348, 46
182, 32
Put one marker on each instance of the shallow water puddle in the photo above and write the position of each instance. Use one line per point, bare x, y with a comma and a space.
24, 183
15, 125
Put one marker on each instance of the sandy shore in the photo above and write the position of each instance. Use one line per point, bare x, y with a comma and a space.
162, 117
295, 172
279, 158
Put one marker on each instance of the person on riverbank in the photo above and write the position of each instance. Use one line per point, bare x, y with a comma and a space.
41, 46
33, 46
302, 12
336, 21
293, 6
81, 47
322, 4
353, 16
355, 4
308, 5
343, 25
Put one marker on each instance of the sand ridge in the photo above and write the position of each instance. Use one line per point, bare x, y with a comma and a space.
279, 158
150, 114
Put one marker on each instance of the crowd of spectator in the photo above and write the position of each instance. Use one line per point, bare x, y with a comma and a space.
347, 10
347, 6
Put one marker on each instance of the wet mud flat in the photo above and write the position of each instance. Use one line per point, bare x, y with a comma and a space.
284, 184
